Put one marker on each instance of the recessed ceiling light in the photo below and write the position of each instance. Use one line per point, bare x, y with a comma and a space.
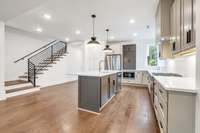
135, 34
47, 16
67, 39
131, 21
78, 32
39, 29
112, 37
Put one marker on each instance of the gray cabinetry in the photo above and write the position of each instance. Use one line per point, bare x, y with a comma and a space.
176, 26
188, 15
95, 92
113, 84
89, 93
129, 57
105, 84
182, 25
174, 109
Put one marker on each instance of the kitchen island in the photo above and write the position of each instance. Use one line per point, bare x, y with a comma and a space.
96, 89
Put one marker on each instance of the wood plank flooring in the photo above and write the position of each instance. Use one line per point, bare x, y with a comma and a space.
54, 110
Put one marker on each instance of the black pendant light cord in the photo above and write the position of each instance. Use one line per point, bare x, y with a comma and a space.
93, 16
107, 30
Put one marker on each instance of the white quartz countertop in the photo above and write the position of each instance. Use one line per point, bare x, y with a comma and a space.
181, 84
97, 73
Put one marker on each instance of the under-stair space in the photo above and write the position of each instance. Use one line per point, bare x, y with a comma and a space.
38, 63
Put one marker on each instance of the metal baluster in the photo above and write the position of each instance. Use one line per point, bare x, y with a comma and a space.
34, 76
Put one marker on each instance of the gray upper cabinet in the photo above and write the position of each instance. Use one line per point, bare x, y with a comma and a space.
129, 57
182, 25
188, 15
176, 26
162, 19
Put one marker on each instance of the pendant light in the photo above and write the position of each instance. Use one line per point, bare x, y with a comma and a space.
93, 40
107, 49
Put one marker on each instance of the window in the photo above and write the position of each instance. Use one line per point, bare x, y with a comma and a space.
153, 56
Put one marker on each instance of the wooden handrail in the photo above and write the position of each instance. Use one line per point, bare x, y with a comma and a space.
35, 51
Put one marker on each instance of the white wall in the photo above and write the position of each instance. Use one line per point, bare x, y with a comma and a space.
92, 56
185, 66
18, 44
2, 48
198, 65
64, 70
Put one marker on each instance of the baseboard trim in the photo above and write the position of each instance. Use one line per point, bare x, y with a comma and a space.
89, 111
107, 102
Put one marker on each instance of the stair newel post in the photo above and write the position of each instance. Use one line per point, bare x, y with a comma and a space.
52, 53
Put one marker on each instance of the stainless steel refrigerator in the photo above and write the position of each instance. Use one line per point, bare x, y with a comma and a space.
113, 62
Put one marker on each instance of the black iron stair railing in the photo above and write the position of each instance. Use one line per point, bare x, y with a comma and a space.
41, 60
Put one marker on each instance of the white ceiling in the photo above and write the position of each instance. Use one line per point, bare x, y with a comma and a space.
70, 15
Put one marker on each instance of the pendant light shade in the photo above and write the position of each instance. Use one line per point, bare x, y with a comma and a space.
107, 49
93, 40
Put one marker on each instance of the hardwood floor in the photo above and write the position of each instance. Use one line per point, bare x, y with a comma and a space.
54, 110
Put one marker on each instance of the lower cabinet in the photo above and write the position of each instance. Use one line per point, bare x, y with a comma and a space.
108, 87
139, 78
95, 91
173, 110
105, 90
113, 84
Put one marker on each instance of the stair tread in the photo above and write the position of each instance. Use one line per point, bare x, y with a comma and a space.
25, 76
20, 89
15, 82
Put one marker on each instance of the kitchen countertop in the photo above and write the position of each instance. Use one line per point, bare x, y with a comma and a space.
181, 84
97, 73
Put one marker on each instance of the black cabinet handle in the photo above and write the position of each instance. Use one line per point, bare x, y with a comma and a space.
161, 106
174, 46
161, 125
160, 91
189, 36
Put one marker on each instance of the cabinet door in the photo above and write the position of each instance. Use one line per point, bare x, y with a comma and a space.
104, 90
138, 77
129, 57
188, 24
176, 26
113, 84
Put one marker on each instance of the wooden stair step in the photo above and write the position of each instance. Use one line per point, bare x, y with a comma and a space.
51, 60
15, 82
25, 76
47, 62
20, 89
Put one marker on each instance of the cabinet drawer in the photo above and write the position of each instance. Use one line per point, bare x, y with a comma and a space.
162, 93
163, 110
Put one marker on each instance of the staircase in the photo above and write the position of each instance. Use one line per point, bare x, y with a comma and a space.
38, 62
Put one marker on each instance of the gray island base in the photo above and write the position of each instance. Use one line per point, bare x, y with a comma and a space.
96, 90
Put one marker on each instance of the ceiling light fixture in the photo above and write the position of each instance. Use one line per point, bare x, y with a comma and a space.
93, 40
78, 32
131, 21
47, 16
67, 39
112, 37
107, 49
39, 30
135, 34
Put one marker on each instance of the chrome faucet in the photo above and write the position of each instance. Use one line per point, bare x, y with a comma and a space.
101, 61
